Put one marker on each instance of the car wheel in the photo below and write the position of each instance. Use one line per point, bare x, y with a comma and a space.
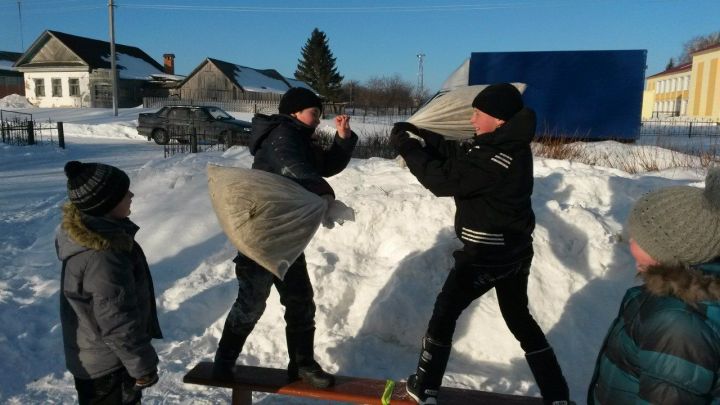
160, 136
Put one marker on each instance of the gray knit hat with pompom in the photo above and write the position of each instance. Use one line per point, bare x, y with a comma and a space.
679, 225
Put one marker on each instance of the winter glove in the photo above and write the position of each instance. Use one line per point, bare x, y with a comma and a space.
336, 213
146, 381
401, 140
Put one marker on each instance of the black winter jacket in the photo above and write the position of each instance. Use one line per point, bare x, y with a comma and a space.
283, 145
491, 180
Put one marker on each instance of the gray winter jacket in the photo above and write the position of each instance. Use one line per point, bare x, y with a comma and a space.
107, 301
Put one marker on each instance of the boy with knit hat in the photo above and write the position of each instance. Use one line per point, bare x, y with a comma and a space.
282, 144
107, 300
491, 179
664, 346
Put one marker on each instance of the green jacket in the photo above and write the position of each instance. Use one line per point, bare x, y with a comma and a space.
664, 346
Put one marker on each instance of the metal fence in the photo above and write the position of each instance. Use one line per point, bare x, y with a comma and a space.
680, 127
188, 140
18, 128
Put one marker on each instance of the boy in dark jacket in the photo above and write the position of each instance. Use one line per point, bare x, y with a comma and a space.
282, 145
107, 301
664, 346
491, 179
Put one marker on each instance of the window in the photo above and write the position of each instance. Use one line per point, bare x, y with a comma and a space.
74, 87
39, 87
56, 87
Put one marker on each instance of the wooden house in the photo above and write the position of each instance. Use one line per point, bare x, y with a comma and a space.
11, 81
64, 70
218, 80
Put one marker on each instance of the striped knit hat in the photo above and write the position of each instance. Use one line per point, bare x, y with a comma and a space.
95, 188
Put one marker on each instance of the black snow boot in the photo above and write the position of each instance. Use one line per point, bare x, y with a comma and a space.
302, 362
548, 376
227, 353
423, 386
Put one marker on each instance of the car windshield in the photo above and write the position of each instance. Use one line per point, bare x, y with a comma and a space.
219, 114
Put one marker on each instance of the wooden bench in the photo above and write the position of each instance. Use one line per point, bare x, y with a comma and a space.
247, 379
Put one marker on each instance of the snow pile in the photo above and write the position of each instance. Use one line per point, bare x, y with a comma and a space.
14, 101
375, 279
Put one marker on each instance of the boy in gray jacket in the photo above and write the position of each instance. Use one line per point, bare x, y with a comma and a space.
107, 301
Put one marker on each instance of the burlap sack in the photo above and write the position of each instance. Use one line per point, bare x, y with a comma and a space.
449, 113
268, 218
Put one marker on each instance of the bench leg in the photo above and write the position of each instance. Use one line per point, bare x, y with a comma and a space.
241, 397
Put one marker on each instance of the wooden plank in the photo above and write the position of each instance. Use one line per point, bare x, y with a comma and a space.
346, 389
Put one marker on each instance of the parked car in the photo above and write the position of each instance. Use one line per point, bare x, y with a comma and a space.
179, 120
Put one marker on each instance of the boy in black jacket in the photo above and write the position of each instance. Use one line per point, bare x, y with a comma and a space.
491, 179
282, 144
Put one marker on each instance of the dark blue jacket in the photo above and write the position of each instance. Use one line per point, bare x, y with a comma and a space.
283, 145
664, 346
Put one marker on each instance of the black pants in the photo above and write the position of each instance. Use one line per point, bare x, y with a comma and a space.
469, 280
254, 284
116, 388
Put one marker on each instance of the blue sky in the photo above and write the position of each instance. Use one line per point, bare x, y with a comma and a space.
369, 38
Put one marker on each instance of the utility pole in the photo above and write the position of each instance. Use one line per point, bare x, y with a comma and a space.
113, 63
22, 43
420, 57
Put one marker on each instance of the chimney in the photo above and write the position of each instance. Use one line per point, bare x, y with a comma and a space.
169, 63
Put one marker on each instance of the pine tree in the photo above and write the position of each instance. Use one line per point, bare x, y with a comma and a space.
317, 66
670, 64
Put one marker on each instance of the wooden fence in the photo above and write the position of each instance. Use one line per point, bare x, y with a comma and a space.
251, 106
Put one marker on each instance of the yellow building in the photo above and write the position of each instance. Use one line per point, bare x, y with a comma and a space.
689, 90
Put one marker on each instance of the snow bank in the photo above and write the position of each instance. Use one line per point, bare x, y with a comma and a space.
14, 101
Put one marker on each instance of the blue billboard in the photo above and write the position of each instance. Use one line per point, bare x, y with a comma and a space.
577, 94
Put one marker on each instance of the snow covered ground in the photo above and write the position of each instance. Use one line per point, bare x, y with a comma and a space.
375, 279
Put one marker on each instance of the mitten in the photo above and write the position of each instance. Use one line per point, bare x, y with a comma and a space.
401, 140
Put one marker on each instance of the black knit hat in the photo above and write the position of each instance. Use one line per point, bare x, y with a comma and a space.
501, 101
95, 188
297, 99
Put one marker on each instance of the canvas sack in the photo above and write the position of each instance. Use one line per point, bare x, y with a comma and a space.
267, 217
449, 112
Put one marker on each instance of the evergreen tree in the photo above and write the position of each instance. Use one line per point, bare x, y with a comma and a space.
670, 64
317, 66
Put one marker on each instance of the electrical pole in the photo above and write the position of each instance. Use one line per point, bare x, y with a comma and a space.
113, 63
22, 43
420, 57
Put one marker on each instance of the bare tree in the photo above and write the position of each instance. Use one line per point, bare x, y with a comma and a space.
696, 44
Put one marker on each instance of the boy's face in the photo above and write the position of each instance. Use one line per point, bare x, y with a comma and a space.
642, 258
484, 123
309, 116
122, 210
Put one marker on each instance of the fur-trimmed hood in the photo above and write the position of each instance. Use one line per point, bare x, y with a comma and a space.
79, 232
691, 285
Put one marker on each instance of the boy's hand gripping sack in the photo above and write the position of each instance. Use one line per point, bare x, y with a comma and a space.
267, 217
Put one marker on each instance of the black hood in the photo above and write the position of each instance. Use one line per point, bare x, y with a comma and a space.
262, 125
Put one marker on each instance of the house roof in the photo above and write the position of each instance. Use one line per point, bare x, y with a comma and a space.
251, 79
709, 48
132, 62
8, 59
676, 69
